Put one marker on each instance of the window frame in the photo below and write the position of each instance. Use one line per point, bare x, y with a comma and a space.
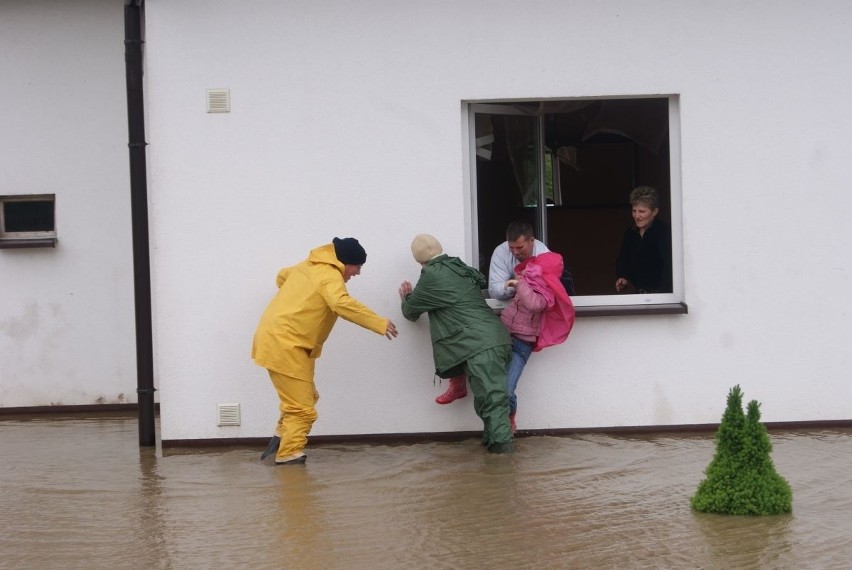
588, 305
26, 239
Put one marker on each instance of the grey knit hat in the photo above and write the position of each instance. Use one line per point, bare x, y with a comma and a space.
424, 247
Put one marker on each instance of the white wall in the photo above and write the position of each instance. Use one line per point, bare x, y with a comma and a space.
66, 314
347, 121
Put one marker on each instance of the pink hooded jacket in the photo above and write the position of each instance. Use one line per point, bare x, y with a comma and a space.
542, 272
523, 315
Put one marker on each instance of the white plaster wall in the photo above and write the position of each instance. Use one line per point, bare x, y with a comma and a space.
347, 120
66, 314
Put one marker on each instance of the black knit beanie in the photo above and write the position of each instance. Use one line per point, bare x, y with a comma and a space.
349, 251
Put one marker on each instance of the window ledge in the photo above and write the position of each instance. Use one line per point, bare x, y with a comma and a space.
27, 243
619, 310
497, 305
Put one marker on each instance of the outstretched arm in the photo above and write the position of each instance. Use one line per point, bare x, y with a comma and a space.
334, 292
426, 296
499, 272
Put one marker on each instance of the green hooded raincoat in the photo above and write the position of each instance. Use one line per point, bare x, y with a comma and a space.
460, 321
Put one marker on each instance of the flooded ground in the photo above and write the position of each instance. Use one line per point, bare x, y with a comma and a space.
80, 493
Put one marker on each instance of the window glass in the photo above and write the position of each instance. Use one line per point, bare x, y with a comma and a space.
28, 216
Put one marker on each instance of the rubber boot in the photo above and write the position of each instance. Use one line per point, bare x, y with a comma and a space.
512, 422
507, 447
456, 390
272, 448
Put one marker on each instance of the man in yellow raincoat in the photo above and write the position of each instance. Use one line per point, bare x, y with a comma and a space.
294, 326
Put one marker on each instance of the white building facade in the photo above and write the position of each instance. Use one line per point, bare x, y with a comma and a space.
66, 308
380, 120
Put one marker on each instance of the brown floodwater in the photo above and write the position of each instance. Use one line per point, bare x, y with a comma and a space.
80, 493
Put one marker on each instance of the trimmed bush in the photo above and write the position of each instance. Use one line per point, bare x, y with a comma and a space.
741, 478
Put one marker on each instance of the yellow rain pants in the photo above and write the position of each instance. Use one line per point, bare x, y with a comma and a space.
298, 414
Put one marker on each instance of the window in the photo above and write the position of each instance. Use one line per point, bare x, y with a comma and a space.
568, 168
27, 221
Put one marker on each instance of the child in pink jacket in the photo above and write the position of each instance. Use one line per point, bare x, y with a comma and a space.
541, 314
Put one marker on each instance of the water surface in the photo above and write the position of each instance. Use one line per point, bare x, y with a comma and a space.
80, 493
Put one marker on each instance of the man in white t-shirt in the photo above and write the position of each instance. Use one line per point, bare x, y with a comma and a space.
520, 244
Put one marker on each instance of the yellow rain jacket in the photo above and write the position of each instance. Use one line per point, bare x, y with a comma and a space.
296, 323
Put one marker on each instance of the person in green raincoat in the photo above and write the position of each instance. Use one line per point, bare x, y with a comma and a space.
467, 337
294, 327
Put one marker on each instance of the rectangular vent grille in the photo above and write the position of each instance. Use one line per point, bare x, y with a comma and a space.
229, 414
218, 100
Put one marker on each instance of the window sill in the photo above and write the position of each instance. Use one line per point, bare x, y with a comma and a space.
620, 310
680, 308
27, 243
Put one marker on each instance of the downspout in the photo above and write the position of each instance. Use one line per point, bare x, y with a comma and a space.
139, 215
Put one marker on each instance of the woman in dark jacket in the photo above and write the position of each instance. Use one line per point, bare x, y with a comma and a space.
645, 260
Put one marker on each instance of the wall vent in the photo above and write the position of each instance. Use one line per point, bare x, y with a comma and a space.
228, 414
218, 100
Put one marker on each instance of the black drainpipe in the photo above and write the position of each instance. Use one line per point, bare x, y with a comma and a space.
139, 214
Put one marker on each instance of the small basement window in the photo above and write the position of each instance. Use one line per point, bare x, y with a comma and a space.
28, 221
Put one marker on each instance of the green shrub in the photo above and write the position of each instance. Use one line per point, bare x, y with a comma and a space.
741, 479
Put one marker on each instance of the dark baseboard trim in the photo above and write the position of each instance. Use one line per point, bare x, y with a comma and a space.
115, 410
409, 438
369, 438
89, 409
